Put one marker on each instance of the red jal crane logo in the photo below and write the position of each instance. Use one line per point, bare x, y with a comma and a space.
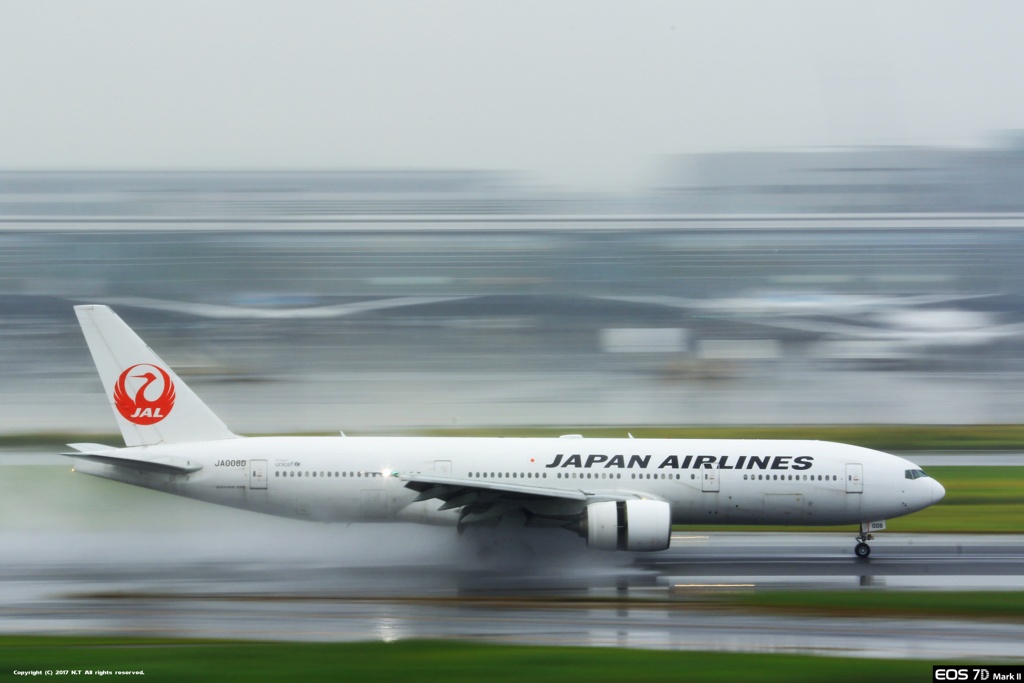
135, 406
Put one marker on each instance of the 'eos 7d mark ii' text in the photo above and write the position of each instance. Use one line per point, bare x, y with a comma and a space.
983, 674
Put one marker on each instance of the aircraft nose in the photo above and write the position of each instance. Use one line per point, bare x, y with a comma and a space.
938, 491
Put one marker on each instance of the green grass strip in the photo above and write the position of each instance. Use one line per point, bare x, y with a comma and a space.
1003, 605
426, 661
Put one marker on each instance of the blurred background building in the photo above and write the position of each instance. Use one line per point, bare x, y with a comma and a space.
855, 285
855, 180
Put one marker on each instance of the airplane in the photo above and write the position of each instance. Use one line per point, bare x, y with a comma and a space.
894, 325
222, 312
617, 494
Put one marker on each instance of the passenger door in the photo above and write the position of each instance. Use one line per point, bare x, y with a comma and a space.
257, 474
854, 477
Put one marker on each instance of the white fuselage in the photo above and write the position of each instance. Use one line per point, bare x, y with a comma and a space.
340, 479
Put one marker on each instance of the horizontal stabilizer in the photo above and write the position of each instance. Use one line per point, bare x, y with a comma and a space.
112, 456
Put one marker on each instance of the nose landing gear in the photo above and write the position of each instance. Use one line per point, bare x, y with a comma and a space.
862, 549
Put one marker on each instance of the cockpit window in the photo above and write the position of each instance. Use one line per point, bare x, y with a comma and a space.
915, 474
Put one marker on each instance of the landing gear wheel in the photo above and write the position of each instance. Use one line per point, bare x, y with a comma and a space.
862, 549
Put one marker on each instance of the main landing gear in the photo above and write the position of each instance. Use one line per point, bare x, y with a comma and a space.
862, 549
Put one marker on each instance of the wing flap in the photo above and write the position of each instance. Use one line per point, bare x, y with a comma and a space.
445, 488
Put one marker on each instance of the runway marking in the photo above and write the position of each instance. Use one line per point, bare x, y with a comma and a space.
714, 585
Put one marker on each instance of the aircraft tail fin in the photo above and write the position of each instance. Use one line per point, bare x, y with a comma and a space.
151, 404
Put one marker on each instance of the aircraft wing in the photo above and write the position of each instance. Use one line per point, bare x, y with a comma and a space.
430, 486
249, 313
482, 501
110, 456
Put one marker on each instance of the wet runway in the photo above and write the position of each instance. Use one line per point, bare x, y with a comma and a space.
295, 581
816, 560
634, 626
86, 556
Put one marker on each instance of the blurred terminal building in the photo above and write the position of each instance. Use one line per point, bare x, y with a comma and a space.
741, 287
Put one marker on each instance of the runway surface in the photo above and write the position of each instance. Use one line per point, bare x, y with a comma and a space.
389, 583
87, 556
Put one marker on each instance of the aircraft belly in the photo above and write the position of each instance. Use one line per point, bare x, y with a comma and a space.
426, 512
741, 509
786, 508
691, 506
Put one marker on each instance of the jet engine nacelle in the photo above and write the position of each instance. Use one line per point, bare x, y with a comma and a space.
642, 525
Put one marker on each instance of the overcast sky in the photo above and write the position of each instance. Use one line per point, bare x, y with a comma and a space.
583, 94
